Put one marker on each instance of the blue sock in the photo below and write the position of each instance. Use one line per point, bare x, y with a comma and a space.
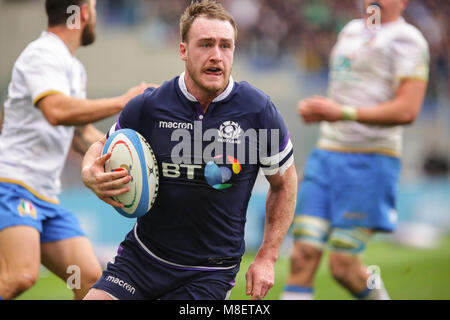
300, 289
362, 294
293, 292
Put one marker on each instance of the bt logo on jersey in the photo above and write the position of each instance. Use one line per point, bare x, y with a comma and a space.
216, 176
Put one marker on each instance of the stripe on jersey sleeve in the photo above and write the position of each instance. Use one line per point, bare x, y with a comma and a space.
114, 128
279, 162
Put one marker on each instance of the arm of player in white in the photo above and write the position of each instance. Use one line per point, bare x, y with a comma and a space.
60, 109
84, 137
2, 118
280, 206
402, 109
104, 184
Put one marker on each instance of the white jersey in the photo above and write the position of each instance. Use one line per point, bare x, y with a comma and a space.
366, 67
32, 151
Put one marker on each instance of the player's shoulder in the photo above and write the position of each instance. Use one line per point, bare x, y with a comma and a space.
153, 97
406, 32
355, 25
161, 95
253, 99
45, 48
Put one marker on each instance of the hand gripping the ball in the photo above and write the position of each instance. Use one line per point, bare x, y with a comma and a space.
104, 184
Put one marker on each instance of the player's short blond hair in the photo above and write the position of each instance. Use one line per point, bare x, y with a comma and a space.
207, 8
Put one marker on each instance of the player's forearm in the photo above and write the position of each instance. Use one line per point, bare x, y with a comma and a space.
79, 111
394, 112
59, 109
280, 206
93, 152
84, 137
403, 109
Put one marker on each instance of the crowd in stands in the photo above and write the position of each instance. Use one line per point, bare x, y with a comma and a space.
270, 29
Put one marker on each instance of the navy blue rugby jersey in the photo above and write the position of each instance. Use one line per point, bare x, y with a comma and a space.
208, 164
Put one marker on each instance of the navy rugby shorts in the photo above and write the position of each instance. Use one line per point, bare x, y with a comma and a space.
136, 275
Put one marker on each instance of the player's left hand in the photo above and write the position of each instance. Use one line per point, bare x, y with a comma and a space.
260, 278
318, 109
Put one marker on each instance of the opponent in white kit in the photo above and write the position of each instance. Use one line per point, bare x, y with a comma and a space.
46, 99
378, 80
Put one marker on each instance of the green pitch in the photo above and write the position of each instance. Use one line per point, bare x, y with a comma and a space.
407, 273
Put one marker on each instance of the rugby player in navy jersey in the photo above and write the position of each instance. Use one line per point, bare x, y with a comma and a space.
211, 136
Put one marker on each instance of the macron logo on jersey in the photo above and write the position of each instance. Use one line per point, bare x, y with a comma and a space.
176, 125
121, 283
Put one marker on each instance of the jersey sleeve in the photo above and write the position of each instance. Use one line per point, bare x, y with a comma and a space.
45, 74
276, 153
410, 57
130, 117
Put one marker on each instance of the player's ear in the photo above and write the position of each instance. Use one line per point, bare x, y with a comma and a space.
85, 12
183, 51
405, 4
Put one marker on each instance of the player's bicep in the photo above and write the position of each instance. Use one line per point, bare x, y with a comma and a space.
412, 94
52, 106
276, 153
281, 180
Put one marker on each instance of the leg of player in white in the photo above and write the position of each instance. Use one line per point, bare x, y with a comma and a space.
20, 259
378, 80
346, 265
304, 262
72, 258
350, 271
48, 85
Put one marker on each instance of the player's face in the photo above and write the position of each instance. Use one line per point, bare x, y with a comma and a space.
208, 53
390, 9
88, 34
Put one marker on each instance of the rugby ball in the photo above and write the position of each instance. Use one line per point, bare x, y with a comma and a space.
130, 151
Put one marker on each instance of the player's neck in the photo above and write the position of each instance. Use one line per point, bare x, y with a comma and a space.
204, 98
71, 38
389, 20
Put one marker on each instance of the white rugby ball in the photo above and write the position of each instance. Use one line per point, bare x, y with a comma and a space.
131, 152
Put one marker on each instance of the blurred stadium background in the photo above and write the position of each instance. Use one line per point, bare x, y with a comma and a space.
283, 49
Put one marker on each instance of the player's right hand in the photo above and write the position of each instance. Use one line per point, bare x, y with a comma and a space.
104, 184
318, 109
133, 92
259, 278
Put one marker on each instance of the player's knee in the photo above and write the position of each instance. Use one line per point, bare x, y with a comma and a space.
341, 266
90, 277
26, 280
19, 281
304, 257
310, 235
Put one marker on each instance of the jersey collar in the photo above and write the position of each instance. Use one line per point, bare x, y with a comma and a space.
46, 33
392, 23
190, 97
